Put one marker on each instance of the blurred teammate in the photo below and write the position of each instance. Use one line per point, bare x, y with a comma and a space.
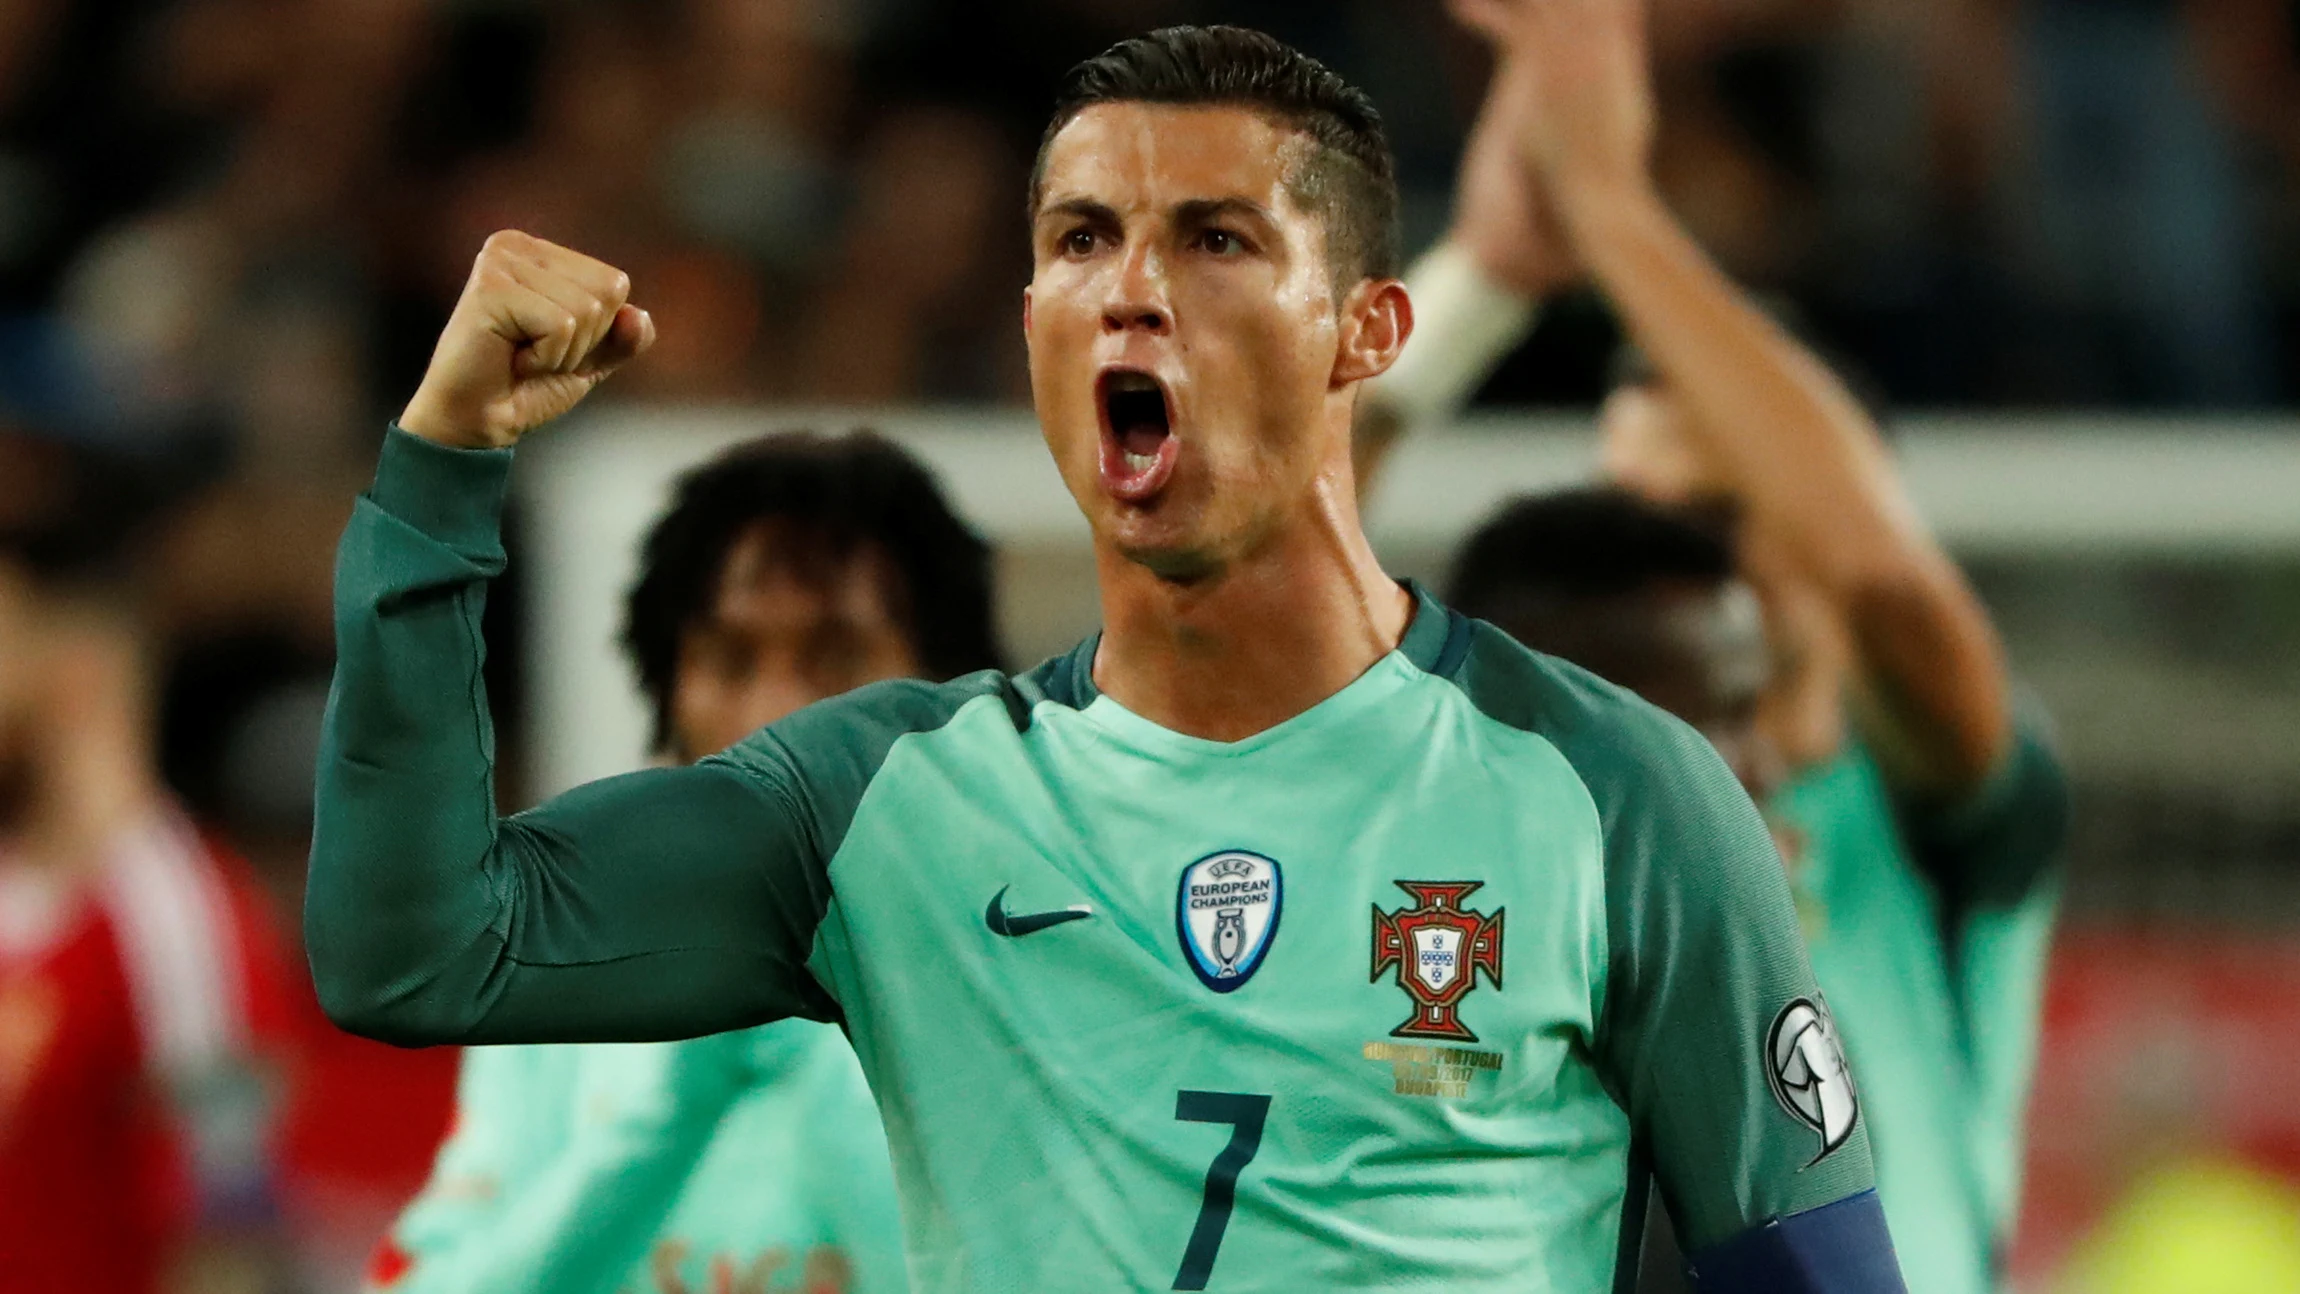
790, 569
1922, 847
1294, 932
141, 993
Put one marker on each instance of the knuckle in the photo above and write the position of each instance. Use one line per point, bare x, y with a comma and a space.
619, 284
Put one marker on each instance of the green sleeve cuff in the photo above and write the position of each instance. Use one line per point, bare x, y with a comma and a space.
453, 495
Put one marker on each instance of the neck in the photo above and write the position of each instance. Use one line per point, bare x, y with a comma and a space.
1260, 640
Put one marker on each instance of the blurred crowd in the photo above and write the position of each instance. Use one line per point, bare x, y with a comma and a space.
229, 230
237, 222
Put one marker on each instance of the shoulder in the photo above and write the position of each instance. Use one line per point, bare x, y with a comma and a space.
1623, 747
885, 711
817, 763
2001, 840
855, 730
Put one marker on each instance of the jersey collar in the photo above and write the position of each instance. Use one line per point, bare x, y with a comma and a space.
1435, 633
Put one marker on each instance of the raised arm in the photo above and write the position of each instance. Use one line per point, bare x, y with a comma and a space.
662, 904
1477, 294
1766, 419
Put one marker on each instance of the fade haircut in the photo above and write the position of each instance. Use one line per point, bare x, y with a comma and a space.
1349, 179
832, 498
1547, 555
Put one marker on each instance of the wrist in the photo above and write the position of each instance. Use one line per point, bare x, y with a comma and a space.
1617, 226
1465, 321
425, 418
448, 492
1592, 203
1498, 261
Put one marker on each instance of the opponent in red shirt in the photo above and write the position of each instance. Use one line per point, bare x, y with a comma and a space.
140, 987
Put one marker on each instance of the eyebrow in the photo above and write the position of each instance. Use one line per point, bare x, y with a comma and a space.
1195, 211
1199, 211
1087, 209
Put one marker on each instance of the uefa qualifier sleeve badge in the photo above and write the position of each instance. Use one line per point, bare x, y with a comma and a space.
1805, 1066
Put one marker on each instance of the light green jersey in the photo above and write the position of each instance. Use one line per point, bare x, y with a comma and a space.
1407, 992
1928, 930
514, 1107
596, 1168
795, 1185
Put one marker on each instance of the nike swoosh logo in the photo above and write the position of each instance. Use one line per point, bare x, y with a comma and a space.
1024, 923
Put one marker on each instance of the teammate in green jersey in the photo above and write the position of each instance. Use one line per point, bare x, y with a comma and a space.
1922, 847
1292, 932
789, 569
1650, 597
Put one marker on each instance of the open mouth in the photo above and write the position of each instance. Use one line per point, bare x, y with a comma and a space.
1138, 444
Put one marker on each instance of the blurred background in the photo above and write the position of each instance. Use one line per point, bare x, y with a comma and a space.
2062, 235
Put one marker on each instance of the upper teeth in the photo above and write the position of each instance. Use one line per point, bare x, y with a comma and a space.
1133, 382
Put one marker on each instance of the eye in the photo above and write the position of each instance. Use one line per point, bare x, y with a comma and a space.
1077, 242
1221, 242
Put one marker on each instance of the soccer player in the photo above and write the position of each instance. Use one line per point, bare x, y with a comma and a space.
1642, 595
789, 569
142, 993
1924, 818
1293, 931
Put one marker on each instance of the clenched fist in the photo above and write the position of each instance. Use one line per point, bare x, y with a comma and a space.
537, 327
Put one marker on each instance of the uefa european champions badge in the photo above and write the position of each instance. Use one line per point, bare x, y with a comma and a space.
1227, 915
1805, 1065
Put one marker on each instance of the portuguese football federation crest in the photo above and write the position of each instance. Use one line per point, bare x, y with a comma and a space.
1438, 948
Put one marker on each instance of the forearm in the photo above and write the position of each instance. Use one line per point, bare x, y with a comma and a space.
649, 906
1791, 441
1818, 485
402, 878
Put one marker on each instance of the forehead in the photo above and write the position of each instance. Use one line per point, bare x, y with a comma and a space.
780, 572
1151, 155
1696, 651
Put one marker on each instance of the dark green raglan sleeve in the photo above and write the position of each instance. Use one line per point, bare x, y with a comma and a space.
1707, 989
1714, 1028
1704, 957
662, 904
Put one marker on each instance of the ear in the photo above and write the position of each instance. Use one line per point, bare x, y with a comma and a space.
1026, 312
1376, 318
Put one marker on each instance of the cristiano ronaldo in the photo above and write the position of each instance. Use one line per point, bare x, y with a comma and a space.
1292, 932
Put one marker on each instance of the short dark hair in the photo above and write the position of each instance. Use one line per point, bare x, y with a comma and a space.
1547, 552
837, 496
1350, 180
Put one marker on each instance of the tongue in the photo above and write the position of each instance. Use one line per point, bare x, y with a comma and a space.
1142, 438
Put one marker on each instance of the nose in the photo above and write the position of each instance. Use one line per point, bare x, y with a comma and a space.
1137, 299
